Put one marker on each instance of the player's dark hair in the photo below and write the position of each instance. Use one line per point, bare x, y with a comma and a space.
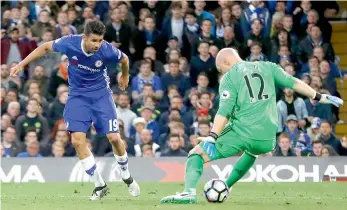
95, 27
204, 122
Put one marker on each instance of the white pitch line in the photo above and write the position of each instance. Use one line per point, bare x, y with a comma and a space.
139, 199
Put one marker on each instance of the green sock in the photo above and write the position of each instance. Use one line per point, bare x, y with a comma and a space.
241, 167
194, 168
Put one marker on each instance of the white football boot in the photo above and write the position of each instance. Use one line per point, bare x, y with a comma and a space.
99, 192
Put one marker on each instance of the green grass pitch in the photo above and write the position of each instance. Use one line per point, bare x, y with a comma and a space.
245, 196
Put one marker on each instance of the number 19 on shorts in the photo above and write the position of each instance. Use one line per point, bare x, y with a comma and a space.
112, 125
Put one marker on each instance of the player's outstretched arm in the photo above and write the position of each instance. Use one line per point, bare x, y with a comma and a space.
304, 89
286, 80
38, 52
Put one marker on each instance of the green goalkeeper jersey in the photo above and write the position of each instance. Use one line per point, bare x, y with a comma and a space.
248, 98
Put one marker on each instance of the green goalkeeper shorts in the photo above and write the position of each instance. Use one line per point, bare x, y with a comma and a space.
230, 144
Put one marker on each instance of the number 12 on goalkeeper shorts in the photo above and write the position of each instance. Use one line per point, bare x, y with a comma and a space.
112, 125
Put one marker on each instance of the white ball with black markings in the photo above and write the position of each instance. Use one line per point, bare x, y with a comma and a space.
216, 191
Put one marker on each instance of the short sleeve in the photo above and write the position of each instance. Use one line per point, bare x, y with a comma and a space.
115, 54
61, 44
281, 77
227, 97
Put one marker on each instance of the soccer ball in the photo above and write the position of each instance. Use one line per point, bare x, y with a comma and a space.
216, 191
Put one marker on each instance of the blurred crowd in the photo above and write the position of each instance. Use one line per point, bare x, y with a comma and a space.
173, 92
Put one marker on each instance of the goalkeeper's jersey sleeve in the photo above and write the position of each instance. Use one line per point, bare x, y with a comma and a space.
248, 98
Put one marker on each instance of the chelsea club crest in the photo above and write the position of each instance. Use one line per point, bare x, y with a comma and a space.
98, 63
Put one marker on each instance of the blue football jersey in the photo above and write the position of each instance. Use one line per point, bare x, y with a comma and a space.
87, 72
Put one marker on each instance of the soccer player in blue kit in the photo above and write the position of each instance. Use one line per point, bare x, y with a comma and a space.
90, 97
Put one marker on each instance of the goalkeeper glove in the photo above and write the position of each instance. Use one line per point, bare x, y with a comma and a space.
328, 99
208, 144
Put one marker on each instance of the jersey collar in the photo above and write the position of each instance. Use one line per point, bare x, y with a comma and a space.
84, 52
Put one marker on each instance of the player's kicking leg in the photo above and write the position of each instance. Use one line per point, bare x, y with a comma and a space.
77, 115
121, 156
88, 163
227, 145
105, 122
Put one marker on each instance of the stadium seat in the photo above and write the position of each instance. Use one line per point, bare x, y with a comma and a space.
343, 116
339, 26
341, 129
341, 84
340, 49
338, 37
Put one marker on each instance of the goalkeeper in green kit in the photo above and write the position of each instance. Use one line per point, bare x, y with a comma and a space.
246, 120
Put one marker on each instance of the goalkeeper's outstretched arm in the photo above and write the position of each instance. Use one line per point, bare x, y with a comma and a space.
304, 89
